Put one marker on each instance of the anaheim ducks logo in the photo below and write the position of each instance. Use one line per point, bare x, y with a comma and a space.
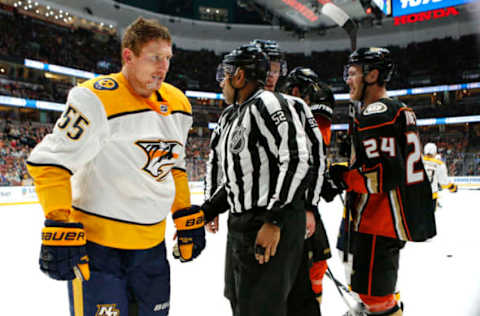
106, 84
161, 156
375, 108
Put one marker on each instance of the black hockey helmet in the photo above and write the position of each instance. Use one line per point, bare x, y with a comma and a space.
273, 52
320, 95
248, 57
372, 58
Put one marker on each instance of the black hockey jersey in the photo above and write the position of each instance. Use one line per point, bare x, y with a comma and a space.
389, 189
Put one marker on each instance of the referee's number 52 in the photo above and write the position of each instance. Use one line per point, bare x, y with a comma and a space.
73, 122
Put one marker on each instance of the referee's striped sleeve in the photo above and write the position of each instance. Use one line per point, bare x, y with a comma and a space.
290, 146
317, 156
213, 171
212, 174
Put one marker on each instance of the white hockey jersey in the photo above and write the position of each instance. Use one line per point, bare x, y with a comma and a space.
125, 155
437, 174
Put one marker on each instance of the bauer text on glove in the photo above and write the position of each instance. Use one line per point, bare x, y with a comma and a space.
63, 255
190, 223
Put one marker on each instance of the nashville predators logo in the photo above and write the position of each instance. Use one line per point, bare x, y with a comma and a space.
161, 156
106, 84
107, 310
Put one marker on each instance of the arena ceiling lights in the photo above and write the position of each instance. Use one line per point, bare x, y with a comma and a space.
60, 15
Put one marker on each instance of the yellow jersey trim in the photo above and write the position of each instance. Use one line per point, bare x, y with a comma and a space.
166, 100
121, 235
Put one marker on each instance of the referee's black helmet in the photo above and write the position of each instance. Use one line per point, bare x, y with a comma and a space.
248, 57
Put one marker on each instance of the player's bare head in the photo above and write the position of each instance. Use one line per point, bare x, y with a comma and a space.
141, 32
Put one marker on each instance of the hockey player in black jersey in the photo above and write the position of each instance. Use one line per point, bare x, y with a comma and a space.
307, 295
388, 193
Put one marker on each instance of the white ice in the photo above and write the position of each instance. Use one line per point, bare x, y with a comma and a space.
439, 277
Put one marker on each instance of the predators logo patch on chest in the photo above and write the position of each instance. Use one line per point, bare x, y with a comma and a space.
161, 156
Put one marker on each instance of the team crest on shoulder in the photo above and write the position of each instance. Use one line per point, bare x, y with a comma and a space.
105, 84
375, 108
161, 156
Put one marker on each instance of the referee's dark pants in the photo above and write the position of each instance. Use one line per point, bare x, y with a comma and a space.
262, 289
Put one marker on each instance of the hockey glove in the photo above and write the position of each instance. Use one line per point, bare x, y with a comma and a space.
336, 173
190, 223
63, 255
453, 188
329, 189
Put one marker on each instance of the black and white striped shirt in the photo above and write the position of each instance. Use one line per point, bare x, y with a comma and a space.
315, 146
261, 151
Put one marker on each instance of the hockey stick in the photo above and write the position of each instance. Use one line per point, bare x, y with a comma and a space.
339, 285
341, 199
342, 19
347, 202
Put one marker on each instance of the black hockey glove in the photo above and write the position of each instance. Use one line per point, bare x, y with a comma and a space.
190, 223
329, 189
63, 255
336, 173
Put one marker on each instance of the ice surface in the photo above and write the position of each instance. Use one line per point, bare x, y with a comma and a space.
439, 277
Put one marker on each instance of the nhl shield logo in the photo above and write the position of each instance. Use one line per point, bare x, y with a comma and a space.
161, 156
237, 140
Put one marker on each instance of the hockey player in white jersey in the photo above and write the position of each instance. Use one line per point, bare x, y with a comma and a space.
108, 176
436, 171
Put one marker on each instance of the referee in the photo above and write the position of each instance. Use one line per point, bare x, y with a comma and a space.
260, 149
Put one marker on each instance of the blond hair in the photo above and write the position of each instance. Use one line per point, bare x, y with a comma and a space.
142, 31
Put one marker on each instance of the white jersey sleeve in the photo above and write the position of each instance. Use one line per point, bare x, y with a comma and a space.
78, 134
443, 179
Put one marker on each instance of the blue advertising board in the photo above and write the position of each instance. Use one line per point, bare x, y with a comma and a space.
405, 7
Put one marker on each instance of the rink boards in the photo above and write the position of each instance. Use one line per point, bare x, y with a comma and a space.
26, 195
